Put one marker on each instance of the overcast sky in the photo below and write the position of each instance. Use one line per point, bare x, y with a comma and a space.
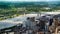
29, 0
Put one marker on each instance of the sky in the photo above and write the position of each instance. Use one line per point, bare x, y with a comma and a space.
29, 0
